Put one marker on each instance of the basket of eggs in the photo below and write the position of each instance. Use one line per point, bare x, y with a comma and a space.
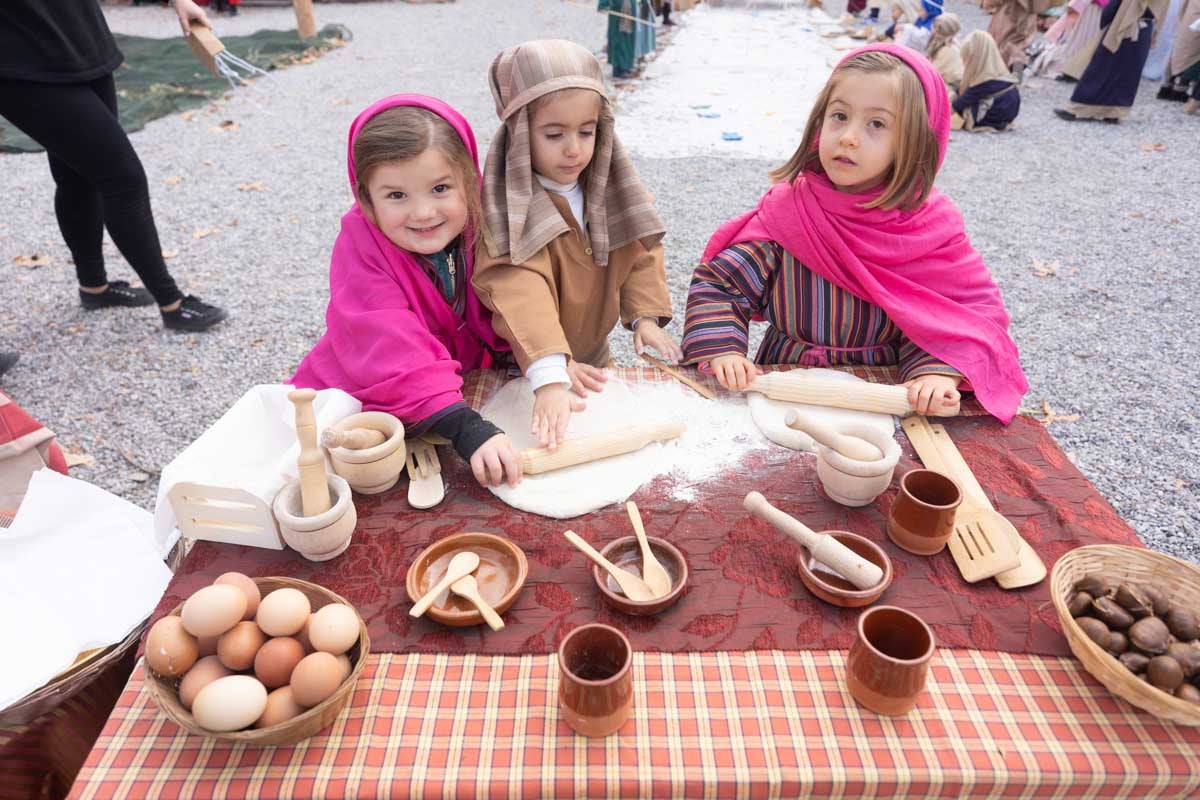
268, 661
1129, 617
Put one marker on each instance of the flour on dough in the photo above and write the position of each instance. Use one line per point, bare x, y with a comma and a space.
769, 416
577, 490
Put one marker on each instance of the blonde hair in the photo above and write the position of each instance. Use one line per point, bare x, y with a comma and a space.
405, 132
910, 178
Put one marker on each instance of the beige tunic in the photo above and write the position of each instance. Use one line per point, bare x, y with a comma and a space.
560, 301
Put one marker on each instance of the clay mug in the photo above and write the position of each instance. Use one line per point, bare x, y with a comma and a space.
922, 516
595, 688
889, 660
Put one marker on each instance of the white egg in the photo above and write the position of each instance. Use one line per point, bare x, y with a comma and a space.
333, 628
283, 612
230, 704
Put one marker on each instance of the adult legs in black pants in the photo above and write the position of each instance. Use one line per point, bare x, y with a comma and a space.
101, 183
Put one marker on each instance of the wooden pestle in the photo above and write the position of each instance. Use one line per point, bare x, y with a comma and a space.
851, 447
816, 390
824, 548
352, 439
597, 446
314, 484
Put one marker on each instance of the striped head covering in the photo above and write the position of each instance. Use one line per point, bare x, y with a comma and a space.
519, 217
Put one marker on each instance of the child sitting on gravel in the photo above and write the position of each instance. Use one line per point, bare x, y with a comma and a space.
572, 239
402, 322
988, 97
853, 256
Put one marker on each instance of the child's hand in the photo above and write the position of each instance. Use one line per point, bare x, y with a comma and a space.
928, 394
584, 377
734, 372
647, 333
494, 459
552, 409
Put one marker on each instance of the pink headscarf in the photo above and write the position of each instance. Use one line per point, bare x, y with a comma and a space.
391, 339
917, 265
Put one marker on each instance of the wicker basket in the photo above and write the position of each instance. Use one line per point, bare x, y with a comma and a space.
166, 692
1137, 565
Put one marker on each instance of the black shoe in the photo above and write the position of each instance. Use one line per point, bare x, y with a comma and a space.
1172, 94
1065, 78
622, 74
118, 293
7, 360
193, 314
1062, 113
1111, 121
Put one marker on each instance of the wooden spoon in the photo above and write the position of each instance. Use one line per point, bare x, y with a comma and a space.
462, 564
652, 572
634, 587
851, 447
468, 587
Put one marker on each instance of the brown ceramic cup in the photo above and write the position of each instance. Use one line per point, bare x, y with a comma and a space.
595, 688
922, 516
889, 660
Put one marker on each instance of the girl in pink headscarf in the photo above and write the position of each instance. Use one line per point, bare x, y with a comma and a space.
402, 323
853, 256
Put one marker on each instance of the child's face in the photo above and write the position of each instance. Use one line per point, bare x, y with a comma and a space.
897, 13
564, 134
858, 134
418, 203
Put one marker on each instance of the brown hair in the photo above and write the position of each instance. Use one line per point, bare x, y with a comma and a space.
910, 179
604, 115
405, 132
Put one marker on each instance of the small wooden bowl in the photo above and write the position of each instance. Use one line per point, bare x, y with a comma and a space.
627, 554
166, 691
1177, 578
836, 590
502, 572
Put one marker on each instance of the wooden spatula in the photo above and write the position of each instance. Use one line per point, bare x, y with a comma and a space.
1030, 569
982, 543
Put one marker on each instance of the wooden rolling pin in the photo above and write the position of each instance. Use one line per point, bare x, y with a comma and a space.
314, 485
597, 446
851, 447
824, 548
796, 387
353, 439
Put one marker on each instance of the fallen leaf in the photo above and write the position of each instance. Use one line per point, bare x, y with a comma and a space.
206, 162
223, 126
188, 116
169, 253
1137, 215
1050, 416
252, 186
79, 459
1147, 147
34, 261
140, 477
341, 101
1045, 270
1176, 221
200, 233
1180, 483
174, 180
1083, 354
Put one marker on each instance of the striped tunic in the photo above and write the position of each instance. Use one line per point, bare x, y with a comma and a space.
813, 321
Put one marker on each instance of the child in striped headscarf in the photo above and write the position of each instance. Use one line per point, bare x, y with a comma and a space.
572, 243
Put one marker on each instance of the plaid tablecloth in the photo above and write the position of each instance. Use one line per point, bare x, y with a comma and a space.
746, 724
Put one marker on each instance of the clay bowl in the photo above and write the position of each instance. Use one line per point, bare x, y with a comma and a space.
626, 554
502, 572
833, 588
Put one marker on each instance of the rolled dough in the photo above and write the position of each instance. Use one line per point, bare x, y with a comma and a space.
769, 415
583, 488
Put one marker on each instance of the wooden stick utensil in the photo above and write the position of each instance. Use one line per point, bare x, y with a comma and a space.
468, 587
634, 587
796, 387
463, 563
353, 439
824, 548
849, 446
314, 484
700, 388
536, 460
652, 572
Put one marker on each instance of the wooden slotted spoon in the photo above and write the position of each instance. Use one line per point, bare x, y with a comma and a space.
425, 487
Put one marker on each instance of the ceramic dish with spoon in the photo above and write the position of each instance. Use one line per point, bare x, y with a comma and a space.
500, 574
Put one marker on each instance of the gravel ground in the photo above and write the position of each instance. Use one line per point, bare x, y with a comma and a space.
1087, 228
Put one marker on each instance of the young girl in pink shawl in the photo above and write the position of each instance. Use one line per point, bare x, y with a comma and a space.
402, 323
853, 256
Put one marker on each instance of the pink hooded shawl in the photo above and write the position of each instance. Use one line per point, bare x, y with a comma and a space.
391, 339
917, 265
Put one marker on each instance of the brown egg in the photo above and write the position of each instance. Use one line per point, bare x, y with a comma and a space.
283, 612
281, 706
213, 610
208, 645
248, 587
344, 663
171, 650
333, 628
302, 637
275, 661
238, 647
202, 673
316, 677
